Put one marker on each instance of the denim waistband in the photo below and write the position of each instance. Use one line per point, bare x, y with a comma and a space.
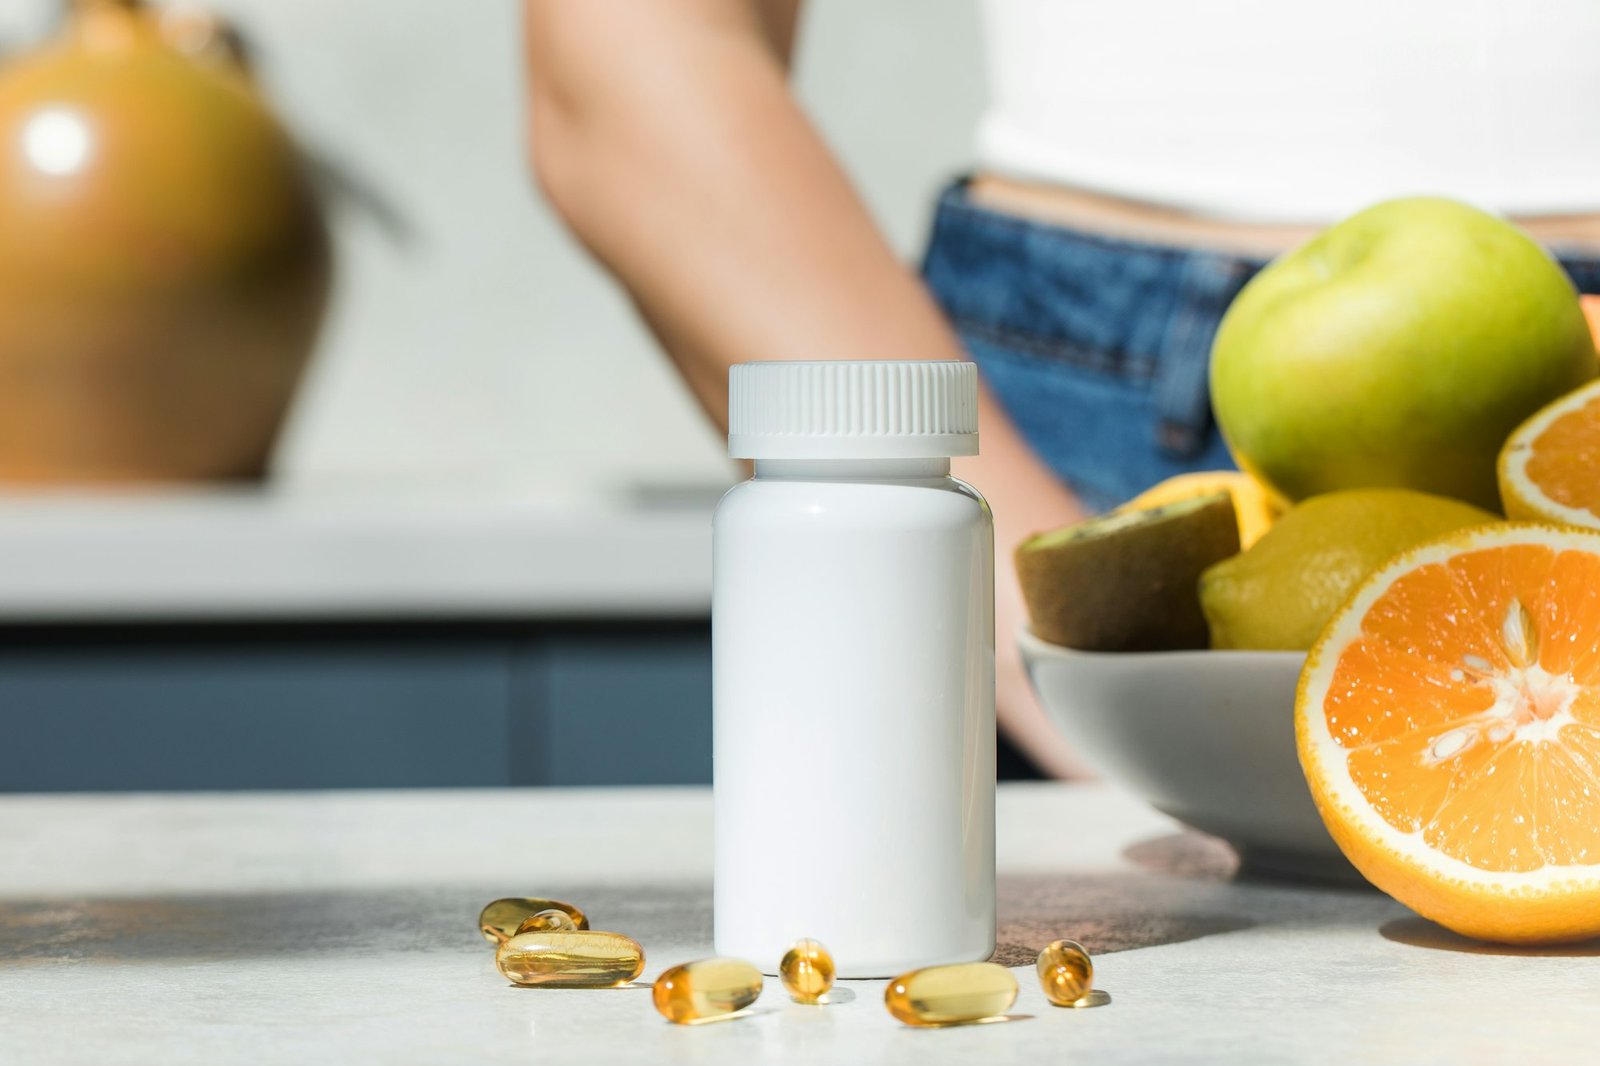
1127, 308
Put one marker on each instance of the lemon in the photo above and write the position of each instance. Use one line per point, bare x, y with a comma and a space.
1280, 593
1127, 581
1256, 505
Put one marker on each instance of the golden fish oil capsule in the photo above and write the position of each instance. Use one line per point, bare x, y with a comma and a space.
550, 921
951, 995
500, 919
807, 971
584, 959
706, 989
1065, 972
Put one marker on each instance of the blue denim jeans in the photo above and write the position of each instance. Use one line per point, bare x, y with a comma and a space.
1097, 347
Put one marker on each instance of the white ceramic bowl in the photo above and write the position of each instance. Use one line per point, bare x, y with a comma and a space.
1205, 736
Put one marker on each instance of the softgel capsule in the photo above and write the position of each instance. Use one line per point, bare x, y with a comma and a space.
706, 989
499, 921
581, 959
1066, 973
951, 995
806, 971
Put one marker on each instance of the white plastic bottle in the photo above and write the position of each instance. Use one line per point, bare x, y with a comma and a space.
853, 647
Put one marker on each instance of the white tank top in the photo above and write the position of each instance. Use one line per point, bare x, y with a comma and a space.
1287, 110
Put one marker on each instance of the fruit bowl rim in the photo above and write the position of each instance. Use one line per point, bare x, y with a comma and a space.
1040, 648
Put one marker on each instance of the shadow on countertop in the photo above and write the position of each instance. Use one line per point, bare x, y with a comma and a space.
1421, 933
1180, 887
202, 927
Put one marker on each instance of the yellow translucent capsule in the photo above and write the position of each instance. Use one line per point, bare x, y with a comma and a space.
951, 995
1066, 972
550, 921
584, 959
500, 919
706, 989
807, 971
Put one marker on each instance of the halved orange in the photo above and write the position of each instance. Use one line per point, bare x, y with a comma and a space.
1449, 727
1548, 466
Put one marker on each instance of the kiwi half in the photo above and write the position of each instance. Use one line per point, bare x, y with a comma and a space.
1129, 580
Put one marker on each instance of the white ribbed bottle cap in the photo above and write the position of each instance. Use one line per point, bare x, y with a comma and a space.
891, 409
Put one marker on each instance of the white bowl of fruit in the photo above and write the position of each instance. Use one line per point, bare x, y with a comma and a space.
1390, 665
1169, 657
1206, 737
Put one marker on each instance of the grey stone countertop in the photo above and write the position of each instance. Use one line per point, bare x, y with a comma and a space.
340, 928
201, 555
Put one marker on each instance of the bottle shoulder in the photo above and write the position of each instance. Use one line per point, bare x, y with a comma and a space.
971, 492
942, 500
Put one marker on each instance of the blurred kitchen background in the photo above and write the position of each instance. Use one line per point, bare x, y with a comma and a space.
481, 555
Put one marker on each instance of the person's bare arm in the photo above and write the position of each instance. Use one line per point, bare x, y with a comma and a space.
666, 137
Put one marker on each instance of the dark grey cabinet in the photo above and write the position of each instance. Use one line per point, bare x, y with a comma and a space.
354, 706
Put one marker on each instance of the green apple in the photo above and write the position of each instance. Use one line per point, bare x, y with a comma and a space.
1398, 348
